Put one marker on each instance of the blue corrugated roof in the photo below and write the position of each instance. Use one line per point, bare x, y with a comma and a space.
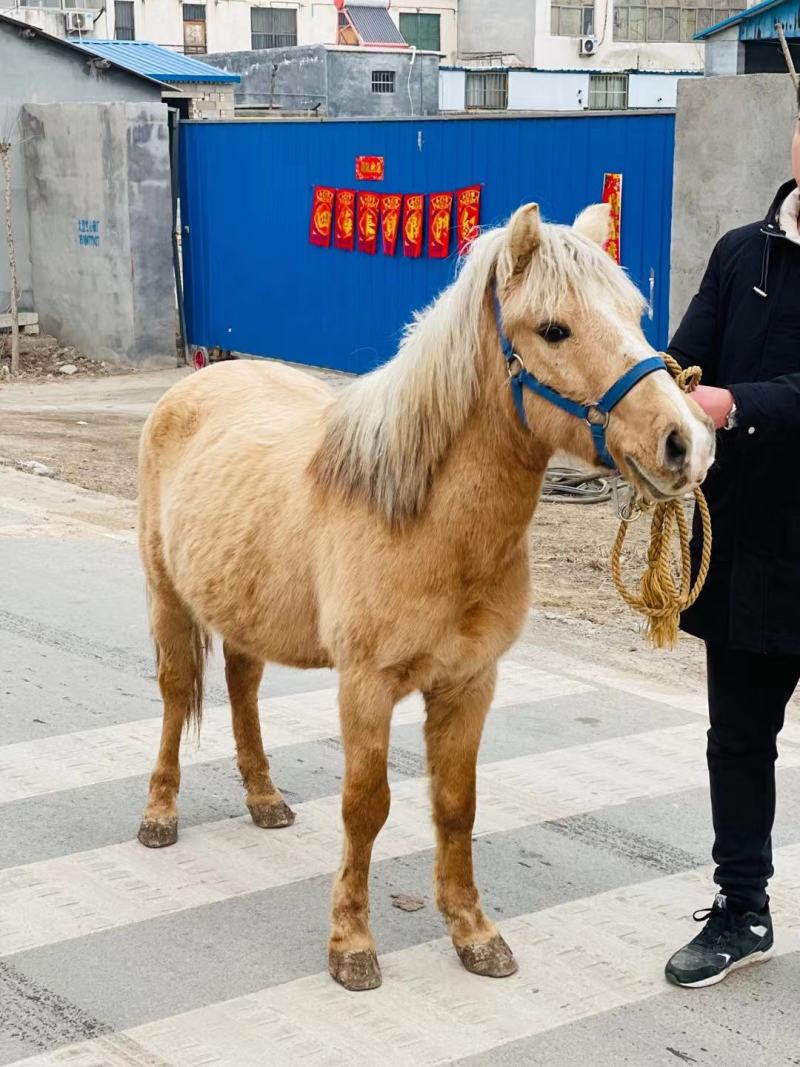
148, 59
744, 16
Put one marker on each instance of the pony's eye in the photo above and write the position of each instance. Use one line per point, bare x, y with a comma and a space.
553, 332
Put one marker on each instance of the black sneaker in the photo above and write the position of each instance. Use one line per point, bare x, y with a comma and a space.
729, 940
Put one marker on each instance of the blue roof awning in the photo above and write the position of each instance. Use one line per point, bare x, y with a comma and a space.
152, 61
758, 22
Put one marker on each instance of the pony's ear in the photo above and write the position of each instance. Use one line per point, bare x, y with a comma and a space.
594, 222
523, 235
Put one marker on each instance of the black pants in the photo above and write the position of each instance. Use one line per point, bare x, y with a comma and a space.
747, 697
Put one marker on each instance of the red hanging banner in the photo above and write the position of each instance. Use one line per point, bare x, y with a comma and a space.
369, 168
468, 215
344, 232
390, 221
413, 224
321, 216
369, 206
612, 195
440, 210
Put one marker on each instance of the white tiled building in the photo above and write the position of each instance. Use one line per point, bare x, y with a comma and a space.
519, 55
237, 25
560, 55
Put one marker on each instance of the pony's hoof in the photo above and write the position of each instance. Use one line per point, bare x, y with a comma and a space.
355, 970
158, 833
271, 816
491, 959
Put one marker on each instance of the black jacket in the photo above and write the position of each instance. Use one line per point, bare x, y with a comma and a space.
743, 329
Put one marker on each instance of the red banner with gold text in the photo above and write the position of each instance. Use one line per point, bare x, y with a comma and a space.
468, 215
345, 224
440, 210
369, 210
321, 216
390, 221
612, 195
369, 168
413, 224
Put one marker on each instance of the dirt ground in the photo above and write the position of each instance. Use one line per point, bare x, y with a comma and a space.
87, 433
43, 357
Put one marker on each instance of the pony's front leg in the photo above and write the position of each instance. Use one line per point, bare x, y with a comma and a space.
365, 710
455, 718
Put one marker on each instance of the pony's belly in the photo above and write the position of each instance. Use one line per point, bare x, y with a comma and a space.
252, 588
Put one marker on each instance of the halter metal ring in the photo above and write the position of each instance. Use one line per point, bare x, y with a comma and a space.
596, 417
514, 359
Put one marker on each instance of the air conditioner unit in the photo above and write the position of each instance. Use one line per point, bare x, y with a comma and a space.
78, 21
587, 46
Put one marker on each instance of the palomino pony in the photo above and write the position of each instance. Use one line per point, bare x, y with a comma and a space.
383, 531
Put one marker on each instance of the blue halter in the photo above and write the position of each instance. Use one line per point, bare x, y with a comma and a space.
595, 415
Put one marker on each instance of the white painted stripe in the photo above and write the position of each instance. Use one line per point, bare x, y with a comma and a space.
576, 960
88, 757
71, 896
692, 700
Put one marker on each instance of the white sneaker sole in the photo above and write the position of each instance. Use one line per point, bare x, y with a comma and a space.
748, 961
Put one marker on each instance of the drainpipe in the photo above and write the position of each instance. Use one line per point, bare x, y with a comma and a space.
174, 125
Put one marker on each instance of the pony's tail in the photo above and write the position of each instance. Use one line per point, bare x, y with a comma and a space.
201, 647
198, 648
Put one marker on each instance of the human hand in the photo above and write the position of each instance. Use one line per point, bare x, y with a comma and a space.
716, 403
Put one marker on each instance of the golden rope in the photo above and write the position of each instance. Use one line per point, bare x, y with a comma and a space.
660, 599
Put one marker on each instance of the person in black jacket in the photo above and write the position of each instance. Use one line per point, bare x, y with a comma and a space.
743, 329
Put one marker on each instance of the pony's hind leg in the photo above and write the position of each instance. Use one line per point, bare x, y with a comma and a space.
266, 805
181, 648
365, 709
453, 727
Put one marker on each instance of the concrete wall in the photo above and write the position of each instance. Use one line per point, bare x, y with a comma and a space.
350, 84
502, 26
209, 101
38, 71
100, 220
284, 78
725, 53
732, 152
336, 81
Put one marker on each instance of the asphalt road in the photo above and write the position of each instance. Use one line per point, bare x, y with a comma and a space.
591, 847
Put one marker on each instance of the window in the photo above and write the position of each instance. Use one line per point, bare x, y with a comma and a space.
633, 21
273, 27
123, 20
487, 90
608, 92
383, 81
422, 31
194, 29
571, 19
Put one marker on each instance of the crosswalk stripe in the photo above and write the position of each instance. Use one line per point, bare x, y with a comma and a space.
89, 757
55, 900
577, 960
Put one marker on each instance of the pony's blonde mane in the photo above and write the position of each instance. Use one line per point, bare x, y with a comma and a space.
390, 429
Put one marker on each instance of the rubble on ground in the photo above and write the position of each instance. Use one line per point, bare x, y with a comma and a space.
45, 357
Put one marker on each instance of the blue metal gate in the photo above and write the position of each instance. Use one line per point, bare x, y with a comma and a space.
254, 283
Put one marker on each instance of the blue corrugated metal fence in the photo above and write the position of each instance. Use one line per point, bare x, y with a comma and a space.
255, 284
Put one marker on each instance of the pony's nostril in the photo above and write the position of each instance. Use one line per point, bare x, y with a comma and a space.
675, 450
